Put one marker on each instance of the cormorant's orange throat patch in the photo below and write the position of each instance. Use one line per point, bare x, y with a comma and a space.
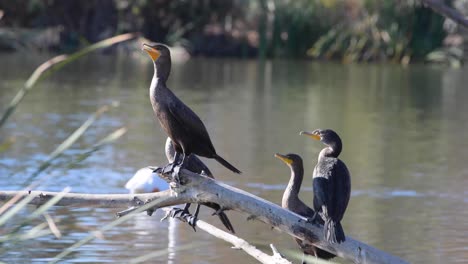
154, 53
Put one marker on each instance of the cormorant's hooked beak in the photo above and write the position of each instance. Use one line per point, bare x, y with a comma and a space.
154, 53
284, 158
310, 134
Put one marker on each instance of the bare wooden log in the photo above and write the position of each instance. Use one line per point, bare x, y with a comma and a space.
199, 189
240, 243
93, 200
287, 221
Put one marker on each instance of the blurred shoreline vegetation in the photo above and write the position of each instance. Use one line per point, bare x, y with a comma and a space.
346, 30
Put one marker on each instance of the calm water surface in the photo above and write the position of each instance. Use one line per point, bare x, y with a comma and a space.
404, 132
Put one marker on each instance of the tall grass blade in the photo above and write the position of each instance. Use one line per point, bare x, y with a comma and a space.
42, 209
105, 141
49, 204
14, 235
29, 84
88, 152
52, 226
97, 233
67, 143
8, 214
37, 231
55, 64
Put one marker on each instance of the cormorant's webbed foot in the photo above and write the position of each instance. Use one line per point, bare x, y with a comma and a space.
175, 167
185, 215
177, 212
173, 170
192, 219
169, 168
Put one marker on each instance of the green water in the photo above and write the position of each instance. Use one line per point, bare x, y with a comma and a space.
403, 130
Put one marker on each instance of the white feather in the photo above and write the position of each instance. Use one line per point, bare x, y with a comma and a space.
145, 181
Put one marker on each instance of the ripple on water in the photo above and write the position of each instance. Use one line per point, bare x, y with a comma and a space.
402, 128
387, 193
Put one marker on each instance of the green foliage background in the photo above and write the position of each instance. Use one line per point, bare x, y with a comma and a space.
350, 30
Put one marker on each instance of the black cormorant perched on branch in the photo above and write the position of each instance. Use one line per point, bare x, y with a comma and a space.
180, 123
331, 183
292, 202
194, 164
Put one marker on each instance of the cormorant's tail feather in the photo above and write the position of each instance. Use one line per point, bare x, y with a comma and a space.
333, 232
225, 220
226, 164
222, 216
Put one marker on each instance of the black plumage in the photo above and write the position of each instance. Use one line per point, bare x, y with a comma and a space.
194, 164
180, 123
331, 183
292, 202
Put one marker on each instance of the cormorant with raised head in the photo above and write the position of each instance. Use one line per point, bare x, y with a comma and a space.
331, 184
292, 202
180, 123
194, 164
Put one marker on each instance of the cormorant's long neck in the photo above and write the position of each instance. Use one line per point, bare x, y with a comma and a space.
162, 69
291, 194
333, 150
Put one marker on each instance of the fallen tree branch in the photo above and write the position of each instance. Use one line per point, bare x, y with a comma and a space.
239, 243
446, 11
200, 189
83, 200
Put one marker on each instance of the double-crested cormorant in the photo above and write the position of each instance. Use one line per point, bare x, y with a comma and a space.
194, 164
331, 183
179, 122
292, 202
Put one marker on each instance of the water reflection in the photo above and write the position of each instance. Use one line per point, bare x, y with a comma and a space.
404, 134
